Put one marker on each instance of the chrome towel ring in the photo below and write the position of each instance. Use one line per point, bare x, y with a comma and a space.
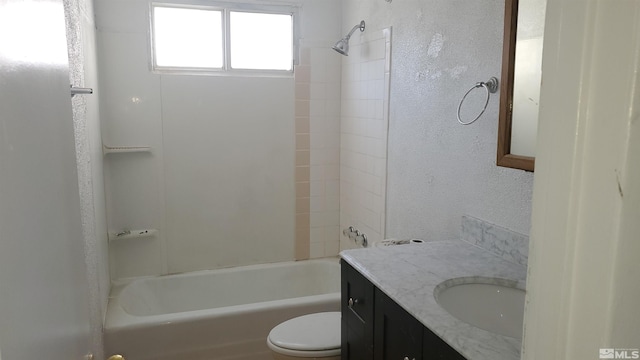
490, 86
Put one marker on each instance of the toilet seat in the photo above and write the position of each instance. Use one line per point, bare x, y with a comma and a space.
313, 335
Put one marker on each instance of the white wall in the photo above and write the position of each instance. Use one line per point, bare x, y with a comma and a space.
218, 183
81, 43
44, 302
582, 285
439, 170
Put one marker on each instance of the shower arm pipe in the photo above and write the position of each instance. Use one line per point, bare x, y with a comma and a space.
358, 26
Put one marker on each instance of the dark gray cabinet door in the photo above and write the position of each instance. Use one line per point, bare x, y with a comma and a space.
374, 327
397, 334
357, 315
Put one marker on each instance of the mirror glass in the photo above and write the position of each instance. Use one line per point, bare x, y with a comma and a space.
527, 75
521, 76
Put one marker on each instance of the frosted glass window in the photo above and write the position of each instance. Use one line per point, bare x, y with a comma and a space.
223, 38
260, 41
188, 38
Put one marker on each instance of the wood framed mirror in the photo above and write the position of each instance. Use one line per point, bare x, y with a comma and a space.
520, 89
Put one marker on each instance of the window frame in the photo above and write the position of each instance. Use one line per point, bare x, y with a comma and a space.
226, 9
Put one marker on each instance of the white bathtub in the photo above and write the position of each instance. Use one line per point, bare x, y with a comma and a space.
218, 314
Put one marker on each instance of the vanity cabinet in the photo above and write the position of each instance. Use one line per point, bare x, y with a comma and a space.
396, 334
434, 348
357, 315
374, 327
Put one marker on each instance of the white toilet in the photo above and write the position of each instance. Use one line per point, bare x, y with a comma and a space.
313, 336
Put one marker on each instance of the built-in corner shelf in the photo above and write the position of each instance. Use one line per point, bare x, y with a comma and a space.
132, 234
124, 149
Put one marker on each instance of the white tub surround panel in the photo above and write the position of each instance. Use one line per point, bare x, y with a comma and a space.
130, 111
229, 180
218, 181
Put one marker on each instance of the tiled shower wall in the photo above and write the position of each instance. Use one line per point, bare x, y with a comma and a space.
317, 151
365, 119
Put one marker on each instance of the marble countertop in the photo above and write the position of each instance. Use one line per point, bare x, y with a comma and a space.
409, 273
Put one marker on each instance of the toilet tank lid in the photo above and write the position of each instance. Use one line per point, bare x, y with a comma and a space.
313, 332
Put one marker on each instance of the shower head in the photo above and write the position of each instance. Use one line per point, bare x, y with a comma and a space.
342, 46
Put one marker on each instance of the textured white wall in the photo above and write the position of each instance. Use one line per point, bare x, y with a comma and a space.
83, 72
439, 170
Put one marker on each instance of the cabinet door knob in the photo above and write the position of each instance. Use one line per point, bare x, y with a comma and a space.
407, 358
352, 301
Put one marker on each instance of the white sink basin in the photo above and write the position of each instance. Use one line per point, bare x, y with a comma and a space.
495, 305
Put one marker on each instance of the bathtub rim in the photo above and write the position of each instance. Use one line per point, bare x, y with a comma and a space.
116, 318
